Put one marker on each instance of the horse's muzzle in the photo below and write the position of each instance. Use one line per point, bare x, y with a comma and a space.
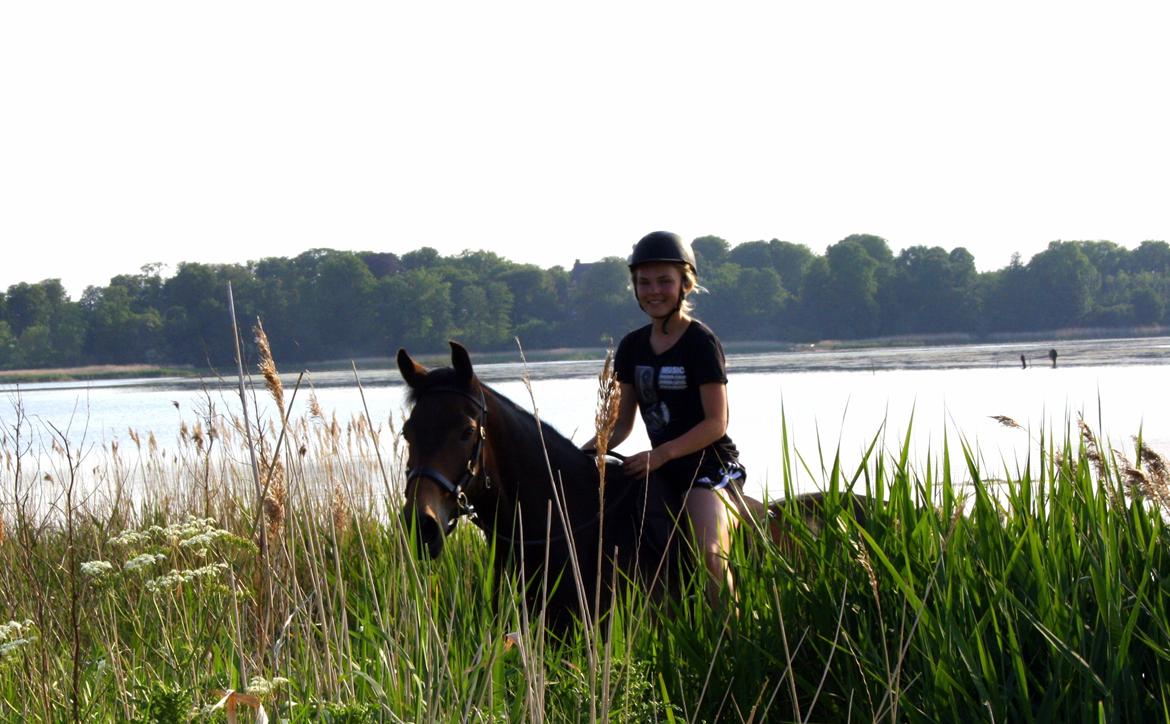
426, 530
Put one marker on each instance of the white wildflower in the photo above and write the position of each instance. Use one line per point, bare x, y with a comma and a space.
176, 579
14, 636
96, 569
202, 541
129, 538
15, 629
264, 688
144, 560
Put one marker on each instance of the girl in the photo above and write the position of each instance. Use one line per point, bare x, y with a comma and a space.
673, 371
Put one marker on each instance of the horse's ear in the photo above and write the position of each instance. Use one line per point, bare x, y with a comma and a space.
412, 372
461, 361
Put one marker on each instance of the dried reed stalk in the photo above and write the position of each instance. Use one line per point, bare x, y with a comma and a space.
1153, 482
609, 394
339, 509
275, 492
1006, 421
609, 397
1092, 449
267, 367
274, 497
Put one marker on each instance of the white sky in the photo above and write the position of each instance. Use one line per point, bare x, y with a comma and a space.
136, 132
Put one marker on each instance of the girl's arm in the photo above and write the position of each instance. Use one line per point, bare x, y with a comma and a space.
713, 427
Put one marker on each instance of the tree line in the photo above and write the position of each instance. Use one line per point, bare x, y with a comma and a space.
327, 304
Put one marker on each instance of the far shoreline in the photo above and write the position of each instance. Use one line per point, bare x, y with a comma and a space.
151, 371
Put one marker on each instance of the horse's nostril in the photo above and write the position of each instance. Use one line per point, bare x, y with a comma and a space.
428, 536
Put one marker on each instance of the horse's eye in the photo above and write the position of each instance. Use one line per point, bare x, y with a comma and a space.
468, 432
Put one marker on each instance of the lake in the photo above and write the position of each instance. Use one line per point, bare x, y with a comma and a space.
830, 399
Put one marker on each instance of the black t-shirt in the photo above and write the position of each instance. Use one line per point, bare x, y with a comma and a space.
667, 386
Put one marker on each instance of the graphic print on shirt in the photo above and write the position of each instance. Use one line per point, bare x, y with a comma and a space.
672, 378
655, 414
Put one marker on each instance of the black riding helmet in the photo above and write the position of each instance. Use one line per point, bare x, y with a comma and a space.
662, 246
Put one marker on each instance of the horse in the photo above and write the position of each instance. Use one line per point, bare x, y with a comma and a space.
473, 453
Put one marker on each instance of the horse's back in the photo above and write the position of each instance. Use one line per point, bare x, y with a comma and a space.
813, 509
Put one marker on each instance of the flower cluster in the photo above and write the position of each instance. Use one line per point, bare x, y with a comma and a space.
96, 569
14, 636
265, 688
177, 579
143, 561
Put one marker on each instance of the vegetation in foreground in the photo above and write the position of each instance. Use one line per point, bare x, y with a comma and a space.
146, 585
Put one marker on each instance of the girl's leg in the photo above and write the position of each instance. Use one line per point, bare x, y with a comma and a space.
711, 521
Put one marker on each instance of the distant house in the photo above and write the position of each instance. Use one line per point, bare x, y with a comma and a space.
578, 271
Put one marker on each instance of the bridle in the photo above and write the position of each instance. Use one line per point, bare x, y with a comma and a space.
474, 461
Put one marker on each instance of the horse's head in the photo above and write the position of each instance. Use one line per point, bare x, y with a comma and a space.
445, 435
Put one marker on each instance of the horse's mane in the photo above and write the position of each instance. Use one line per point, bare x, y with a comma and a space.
557, 444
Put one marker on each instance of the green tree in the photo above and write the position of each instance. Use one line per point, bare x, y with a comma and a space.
602, 306
484, 315
710, 251
117, 333
8, 349
198, 325
790, 261
537, 310
1150, 256
932, 291
1148, 306
414, 309
424, 258
752, 255
758, 298
841, 291
1063, 282
1007, 300
339, 293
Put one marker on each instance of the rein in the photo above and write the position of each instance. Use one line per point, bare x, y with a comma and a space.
474, 461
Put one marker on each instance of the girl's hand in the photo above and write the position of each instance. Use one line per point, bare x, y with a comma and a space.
642, 464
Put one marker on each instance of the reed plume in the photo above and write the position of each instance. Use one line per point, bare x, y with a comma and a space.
1092, 449
274, 496
1153, 482
267, 367
609, 397
339, 510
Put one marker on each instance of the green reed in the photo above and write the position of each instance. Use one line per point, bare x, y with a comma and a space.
1030, 595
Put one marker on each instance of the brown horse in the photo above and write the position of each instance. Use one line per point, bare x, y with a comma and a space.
473, 453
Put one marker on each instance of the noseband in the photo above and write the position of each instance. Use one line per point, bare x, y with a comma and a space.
474, 462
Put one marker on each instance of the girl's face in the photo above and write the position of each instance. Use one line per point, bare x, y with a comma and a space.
658, 286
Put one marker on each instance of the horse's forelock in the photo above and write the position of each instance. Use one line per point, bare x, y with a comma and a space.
441, 378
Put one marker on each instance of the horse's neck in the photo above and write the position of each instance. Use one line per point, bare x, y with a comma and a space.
526, 466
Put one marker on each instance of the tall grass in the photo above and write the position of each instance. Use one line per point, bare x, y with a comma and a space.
1034, 594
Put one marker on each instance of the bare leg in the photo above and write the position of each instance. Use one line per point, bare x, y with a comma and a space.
710, 518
